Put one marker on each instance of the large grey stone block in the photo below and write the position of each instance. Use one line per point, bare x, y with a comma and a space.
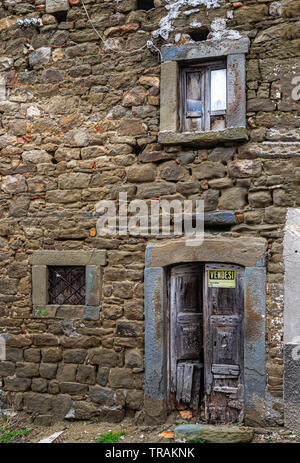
94, 257
39, 285
56, 5
215, 434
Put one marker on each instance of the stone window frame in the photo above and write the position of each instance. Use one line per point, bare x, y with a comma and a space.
174, 57
248, 252
93, 262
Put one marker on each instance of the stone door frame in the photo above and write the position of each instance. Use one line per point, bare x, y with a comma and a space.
248, 252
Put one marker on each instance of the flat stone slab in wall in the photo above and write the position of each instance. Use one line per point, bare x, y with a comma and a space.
56, 5
214, 434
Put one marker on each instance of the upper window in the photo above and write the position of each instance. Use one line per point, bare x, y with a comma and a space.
203, 95
203, 98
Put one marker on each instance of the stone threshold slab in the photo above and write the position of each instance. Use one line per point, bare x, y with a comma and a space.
214, 434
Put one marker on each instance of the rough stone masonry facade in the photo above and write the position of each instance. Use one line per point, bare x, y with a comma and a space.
80, 121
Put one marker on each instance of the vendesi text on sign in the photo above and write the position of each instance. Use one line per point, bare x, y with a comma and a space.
221, 278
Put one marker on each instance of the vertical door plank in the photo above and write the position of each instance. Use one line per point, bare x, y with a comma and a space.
180, 382
186, 327
224, 330
187, 382
196, 387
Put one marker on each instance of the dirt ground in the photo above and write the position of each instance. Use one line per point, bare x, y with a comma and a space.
88, 431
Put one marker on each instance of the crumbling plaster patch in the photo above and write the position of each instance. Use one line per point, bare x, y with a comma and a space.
173, 7
218, 25
219, 31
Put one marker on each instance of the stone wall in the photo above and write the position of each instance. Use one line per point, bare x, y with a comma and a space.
79, 123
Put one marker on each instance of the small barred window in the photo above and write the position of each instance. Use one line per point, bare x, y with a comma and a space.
66, 285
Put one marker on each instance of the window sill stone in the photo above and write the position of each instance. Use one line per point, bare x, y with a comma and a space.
233, 134
67, 312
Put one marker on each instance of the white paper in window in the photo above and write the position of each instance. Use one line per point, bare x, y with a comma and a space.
218, 90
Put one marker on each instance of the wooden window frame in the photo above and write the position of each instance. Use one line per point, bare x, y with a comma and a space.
205, 69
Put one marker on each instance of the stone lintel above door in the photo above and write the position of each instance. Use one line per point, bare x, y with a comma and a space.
248, 252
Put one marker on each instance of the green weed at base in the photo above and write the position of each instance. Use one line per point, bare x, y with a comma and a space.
110, 438
9, 437
196, 440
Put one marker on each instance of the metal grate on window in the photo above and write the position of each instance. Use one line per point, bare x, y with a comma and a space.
66, 285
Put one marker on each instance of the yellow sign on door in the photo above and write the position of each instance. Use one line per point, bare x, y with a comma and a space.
221, 278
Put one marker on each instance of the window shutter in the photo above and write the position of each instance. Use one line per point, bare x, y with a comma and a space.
193, 105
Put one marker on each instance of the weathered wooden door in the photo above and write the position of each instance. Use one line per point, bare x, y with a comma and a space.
223, 360
186, 335
206, 339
